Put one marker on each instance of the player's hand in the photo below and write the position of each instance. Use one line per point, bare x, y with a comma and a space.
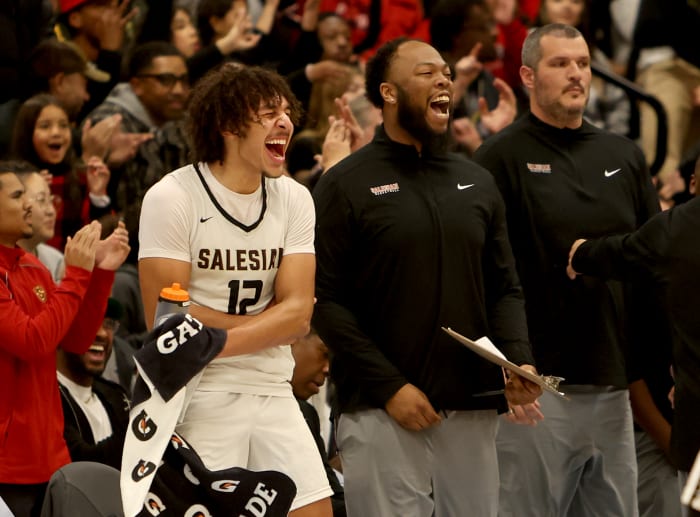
411, 409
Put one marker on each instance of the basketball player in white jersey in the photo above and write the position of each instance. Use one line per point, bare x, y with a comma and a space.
238, 235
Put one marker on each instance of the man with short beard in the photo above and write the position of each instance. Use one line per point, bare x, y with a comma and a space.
411, 238
95, 410
562, 178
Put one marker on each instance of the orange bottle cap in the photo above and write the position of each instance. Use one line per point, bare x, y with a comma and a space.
174, 293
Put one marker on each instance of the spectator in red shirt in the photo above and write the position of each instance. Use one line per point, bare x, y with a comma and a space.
38, 317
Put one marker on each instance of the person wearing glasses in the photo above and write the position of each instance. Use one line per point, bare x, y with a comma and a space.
95, 410
151, 103
38, 191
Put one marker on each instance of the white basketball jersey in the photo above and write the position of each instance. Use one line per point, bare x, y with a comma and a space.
234, 261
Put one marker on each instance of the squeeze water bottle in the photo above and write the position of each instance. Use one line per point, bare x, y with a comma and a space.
172, 300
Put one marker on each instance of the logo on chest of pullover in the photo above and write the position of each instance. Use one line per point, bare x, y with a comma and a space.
384, 189
540, 168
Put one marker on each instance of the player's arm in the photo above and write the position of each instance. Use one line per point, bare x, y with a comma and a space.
156, 273
288, 319
164, 255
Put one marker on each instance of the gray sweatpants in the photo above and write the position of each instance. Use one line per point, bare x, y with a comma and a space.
658, 486
449, 470
578, 462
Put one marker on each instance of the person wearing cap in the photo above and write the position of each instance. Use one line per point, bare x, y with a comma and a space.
95, 410
38, 317
97, 28
60, 69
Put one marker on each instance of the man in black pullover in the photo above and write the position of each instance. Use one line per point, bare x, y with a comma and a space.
668, 246
562, 178
409, 239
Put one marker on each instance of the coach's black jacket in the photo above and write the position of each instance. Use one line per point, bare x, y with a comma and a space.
407, 243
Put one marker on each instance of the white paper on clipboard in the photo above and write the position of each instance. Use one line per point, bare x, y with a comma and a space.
486, 349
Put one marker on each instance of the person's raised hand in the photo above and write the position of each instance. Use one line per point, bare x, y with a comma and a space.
110, 27
326, 70
467, 68
505, 111
112, 251
336, 144
81, 248
344, 112
96, 138
465, 133
97, 176
239, 37
124, 146
48, 177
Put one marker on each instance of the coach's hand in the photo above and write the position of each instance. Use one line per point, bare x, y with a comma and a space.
411, 409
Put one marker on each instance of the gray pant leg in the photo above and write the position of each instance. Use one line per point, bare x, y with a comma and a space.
466, 474
536, 466
579, 461
657, 484
448, 470
386, 468
608, 486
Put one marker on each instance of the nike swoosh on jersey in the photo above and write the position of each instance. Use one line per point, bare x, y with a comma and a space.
462, 187
205, 219
611, 173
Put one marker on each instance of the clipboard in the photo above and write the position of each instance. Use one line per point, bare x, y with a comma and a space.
486, 349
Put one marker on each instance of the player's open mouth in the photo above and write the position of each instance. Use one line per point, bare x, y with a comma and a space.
276, 147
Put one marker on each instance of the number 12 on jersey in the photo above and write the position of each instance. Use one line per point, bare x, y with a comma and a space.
237, 304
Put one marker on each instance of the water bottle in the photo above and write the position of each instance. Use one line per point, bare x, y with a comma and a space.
172, 300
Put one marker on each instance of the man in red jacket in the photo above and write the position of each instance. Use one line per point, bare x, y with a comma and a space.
38, 317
